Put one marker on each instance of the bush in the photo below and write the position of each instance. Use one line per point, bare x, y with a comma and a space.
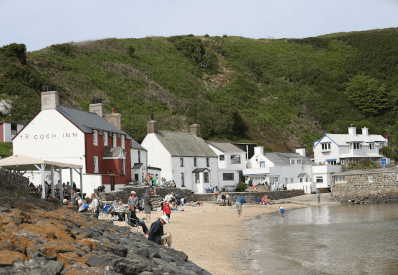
15, 50
224, 35
364, 164
206, 35
66, 49
241, 187
131, 50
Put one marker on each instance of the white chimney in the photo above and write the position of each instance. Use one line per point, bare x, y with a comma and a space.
97, 107
49, 98
365, 131
352, 131
259, 150
300, 150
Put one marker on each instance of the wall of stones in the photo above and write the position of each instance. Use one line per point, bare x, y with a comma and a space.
249, 197
13, 181
358, 189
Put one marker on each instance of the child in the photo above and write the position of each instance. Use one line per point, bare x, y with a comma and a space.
319, 197
166, 210
281, 211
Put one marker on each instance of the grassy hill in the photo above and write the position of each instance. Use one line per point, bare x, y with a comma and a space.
277, 93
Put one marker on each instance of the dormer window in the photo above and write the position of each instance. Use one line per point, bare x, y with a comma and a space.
356, 145
299, 161
326, 146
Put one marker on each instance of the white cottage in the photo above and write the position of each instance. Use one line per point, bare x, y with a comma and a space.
139, 161
182, 157
231, 163
332, 149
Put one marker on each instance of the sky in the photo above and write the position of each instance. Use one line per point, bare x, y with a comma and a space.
41, 23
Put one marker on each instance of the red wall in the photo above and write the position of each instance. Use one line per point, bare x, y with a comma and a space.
115, 165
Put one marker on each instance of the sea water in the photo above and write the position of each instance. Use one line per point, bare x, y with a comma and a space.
341, 239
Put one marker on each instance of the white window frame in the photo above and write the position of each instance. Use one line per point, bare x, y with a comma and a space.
95, 137
114, 143
123, 142
371, 146
370, 178
235, 159
96, 168
299, 161
197, 177
105, 138
292, 161
319, 179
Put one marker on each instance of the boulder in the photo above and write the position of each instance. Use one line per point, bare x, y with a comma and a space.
8, 257
103, 261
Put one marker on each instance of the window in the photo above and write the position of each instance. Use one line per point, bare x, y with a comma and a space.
299, 161
95, 137
182, 180
123, 167
340, 178
370, 178
207, 162
182, 162
325, 146
222, 157
197, 180
13, 129
262, 164
332, 162
139, 156
301, 179
356, 145
206, 177
114, 140
292, 161
319, 179
371, 146
235, 159
95, 165
123, 142
194, 162
228, 176
105, 138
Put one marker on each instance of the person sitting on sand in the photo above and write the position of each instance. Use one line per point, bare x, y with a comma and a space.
135, 219
156, 234
219, 199
119, 211
228, 197
65, 202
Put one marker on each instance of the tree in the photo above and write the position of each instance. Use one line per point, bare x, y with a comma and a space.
15, 50
193, 48
367, 94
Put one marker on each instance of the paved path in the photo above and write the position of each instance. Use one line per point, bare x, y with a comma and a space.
326, 199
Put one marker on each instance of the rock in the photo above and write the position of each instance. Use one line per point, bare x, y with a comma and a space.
153, 252
115, 249
102, 261
68, 258
8, 257
179, 255
143, 252
136, 265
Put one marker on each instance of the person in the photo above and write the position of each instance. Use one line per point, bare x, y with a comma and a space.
134, 218
81, 204
267, 200
166, 210
94, 205
281, 211
65, 202
186, 202
48, 189
63, 186
119, 211
259, 200
174, 184
147, 206
219, 198
156, 234
58, 185
133, 200
74, 185
115, 203
223, 200
319, 197
68, 186
239, 203
228, 197
215, 190
73, 198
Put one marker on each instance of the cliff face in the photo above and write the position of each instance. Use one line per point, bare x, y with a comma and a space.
38, 237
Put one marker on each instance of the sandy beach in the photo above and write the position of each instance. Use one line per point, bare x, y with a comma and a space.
211, 234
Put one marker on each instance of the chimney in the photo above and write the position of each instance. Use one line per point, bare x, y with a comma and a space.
114, 118
195, 129
365, 131
152, 126
49, 98
259, 150
300, 150
352, 131
97, 107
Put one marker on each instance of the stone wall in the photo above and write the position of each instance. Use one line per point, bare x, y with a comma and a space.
13, 181
249, 197
358, 189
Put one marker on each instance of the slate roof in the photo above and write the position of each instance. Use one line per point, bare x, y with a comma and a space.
135, 145
283, 159
137, 166
113, 152
344, 139
226, 147
87, 121
198, 170
180, 144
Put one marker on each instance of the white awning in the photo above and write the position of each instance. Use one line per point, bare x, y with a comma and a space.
24, 163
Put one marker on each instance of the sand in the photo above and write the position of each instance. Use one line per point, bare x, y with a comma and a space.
211, 234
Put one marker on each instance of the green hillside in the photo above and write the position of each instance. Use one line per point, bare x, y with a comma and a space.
276, 93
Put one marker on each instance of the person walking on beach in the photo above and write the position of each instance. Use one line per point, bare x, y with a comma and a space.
147, 206
166, 210
156, 234
319, 197
239, 203
281, 211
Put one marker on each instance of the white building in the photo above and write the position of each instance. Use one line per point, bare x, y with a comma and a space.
231, 163
332, 149
9, 129
139, 161
182, 157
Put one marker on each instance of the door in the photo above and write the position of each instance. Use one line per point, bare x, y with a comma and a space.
112, 183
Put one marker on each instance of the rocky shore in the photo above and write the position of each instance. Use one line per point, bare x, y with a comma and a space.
39, 237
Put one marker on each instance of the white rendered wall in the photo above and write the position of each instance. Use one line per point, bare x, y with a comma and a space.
158, 156
134, 159
7, 132
320, 156
50, 136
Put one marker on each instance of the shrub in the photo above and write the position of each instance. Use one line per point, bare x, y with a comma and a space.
206, 35
241, 187
66, 49
224, 35
15, 50
131, 50
364, 164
